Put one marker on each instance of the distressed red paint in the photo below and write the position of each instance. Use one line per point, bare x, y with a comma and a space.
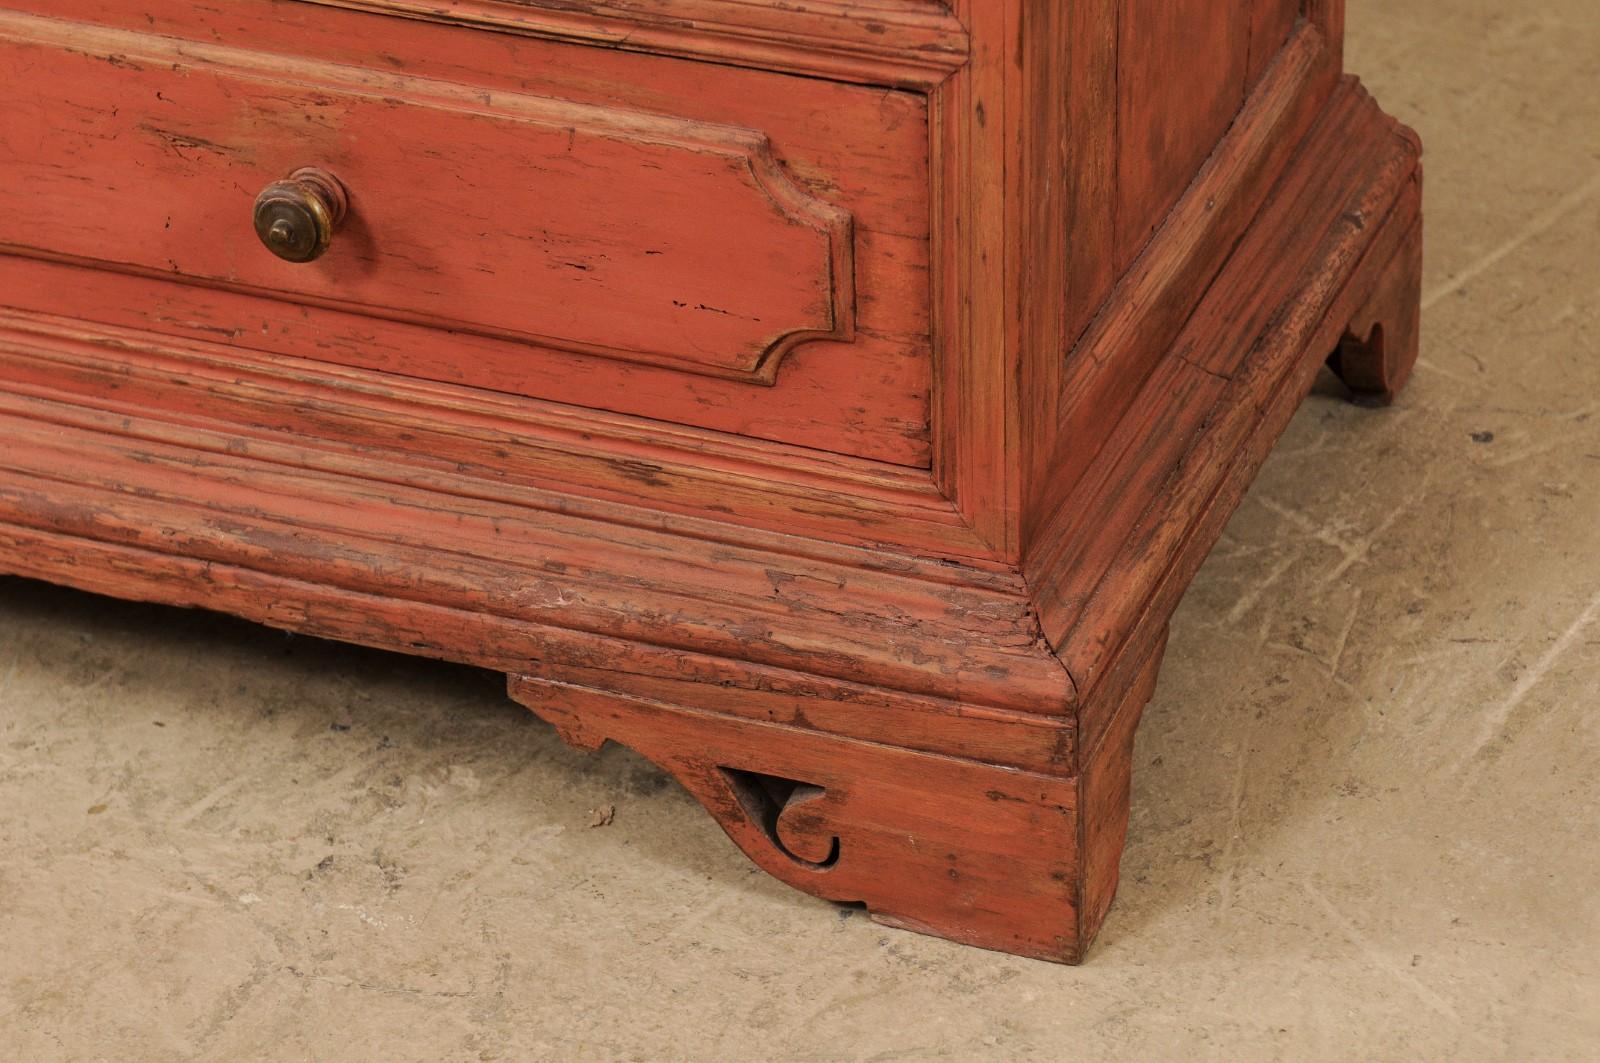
990, 311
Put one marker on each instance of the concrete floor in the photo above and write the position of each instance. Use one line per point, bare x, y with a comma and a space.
1365, 809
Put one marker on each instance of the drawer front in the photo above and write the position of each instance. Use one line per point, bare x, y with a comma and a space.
572, 249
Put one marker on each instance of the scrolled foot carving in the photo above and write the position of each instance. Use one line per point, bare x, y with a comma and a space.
977, 853
1379, 350
786, 811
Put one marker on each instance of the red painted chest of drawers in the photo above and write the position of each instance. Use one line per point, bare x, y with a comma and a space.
829, 400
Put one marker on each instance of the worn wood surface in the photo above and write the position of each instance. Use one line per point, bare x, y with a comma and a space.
1379, 350
883, 577
914, 43
473, 211
1129, 540
967, 851
1156, 296
478, 166
1172, 107
482, 443
539, 557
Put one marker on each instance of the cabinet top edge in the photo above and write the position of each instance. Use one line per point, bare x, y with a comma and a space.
901, 43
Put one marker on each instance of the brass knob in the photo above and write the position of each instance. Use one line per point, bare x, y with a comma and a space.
297, 217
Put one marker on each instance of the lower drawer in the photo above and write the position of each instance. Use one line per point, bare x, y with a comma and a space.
662, 258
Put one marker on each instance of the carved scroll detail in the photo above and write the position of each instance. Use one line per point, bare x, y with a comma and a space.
785, 812
939, 844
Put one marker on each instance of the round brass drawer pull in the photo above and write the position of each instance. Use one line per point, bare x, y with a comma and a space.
297, 217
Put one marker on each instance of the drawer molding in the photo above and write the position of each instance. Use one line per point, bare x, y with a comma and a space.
468, 442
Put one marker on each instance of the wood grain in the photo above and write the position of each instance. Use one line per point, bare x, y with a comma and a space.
836, 268
1149, 514
480, 443
1173, 107
1379, 350
1154, 298
932, 844
546, 560
1271, 23
914, 43
473, 211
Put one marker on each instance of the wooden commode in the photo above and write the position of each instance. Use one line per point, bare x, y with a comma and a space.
830, 400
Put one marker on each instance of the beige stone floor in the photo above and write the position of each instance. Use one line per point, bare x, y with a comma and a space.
1366, 801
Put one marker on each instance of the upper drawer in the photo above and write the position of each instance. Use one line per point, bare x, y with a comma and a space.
652, 255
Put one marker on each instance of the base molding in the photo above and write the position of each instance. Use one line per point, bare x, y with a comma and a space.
1110, 564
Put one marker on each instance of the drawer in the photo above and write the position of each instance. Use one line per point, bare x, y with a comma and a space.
679, 251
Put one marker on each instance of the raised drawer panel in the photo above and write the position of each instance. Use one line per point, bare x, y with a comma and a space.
631, 250
568, 225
